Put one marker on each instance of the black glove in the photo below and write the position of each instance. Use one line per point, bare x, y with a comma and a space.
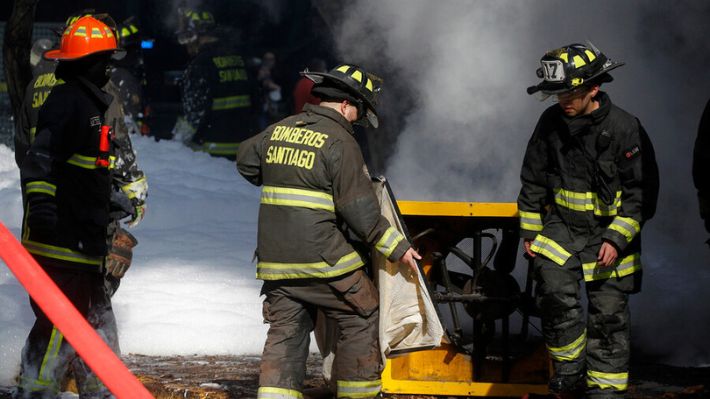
42, 216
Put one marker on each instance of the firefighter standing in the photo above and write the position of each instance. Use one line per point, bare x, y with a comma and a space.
316, 196
589, 182
67, 183
701, 166
218, 88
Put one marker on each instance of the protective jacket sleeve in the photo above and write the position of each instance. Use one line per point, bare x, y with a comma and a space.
356, 203
37, 169
22, 129
249, 159
195, 96
638, 176
533, 194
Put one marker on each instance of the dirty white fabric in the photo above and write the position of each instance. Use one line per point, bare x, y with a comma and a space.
408, 318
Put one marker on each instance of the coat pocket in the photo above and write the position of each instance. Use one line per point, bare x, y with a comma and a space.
358, 291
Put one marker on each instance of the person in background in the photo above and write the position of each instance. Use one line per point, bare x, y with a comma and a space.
218, 91
272, 103
589, 183
302, 91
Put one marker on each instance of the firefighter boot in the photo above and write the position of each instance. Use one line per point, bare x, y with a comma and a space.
568, 386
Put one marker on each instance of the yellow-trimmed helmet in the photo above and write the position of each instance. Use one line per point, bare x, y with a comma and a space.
128, 33
569, 67
360, 87
193, 22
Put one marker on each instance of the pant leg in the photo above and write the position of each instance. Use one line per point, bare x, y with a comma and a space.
358, 364
102, 319
283, 363
563, 322
608, 345
46, 355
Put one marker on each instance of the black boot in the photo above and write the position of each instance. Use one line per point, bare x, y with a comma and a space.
572, 385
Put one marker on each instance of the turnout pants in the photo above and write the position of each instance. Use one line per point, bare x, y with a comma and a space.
290, 308
47, 357
597, 344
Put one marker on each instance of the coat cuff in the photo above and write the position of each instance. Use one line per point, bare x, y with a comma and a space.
392, 244
530, 224
622, 231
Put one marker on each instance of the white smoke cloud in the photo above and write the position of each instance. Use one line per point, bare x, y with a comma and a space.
455, 77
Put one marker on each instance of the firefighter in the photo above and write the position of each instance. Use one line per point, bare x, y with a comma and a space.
128, 76
701, 166
218, 88
316, 198
68, 188
589, 183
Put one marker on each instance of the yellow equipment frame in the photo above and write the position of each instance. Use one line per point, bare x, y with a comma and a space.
445, 370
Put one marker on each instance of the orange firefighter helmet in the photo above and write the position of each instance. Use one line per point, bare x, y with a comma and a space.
84, 37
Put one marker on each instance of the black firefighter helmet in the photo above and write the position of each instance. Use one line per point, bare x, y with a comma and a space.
567, 68
352, 83
192, 23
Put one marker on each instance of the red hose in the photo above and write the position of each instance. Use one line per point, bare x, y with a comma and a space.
82, 337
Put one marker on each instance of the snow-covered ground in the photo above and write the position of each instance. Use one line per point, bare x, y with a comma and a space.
192, 286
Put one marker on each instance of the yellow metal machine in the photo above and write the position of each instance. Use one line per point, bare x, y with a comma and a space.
475, 360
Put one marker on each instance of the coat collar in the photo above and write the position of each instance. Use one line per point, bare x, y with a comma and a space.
330, 114
100, 95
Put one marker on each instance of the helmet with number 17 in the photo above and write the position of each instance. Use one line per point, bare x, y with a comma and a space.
569, 67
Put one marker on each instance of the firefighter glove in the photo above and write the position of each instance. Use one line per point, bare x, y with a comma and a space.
139, 208
120, 254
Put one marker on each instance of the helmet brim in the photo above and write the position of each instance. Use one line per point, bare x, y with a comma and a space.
58, 55
325, 78
551, 89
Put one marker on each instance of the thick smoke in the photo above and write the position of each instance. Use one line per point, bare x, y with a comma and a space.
455, 75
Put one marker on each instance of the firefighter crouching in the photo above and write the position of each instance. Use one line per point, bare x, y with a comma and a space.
315, 186
589, 182
68, 186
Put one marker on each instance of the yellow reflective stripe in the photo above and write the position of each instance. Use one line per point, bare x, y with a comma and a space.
220, 148
369, 85
54, 252
590, 55
45, 377
41, 187
615, 381
564, 57
80, 31
531, 221
570, 351
85, 162
623, 267
389, 241
279, 271
33, 133
627, 227
549, 248
343, 68
359, 389
357, 75
136, 188
283, 196
96, 33
278, 393
586, 201
222, 103
602, 209
578, 61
